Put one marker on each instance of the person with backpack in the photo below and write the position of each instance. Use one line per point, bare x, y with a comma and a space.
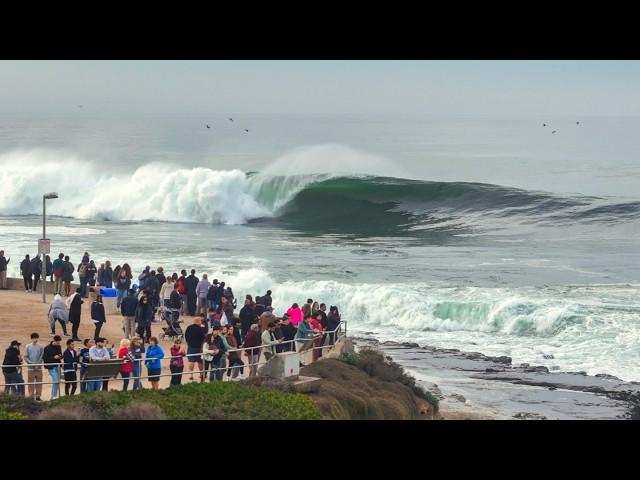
98, 316
52, 357
36, 271
57, 273
25, 271
67, 275
82, 274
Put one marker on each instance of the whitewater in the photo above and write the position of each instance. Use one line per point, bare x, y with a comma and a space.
430, 233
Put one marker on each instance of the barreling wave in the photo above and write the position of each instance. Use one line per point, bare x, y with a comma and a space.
313, 203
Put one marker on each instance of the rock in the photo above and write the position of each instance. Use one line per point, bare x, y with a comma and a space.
502, 359
410, 345
493, 370
555, 367
537, 369
548, 357
524, 365
458, 397
607, 376
529, 416
344, 345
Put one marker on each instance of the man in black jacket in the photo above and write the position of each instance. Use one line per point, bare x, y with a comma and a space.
75, 310
25, 271
247, 317
52, 357
288, 333
3, 270
194, 336
128, 308
12, 375
191, 283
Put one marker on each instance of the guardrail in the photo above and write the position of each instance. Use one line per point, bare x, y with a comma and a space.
339, 333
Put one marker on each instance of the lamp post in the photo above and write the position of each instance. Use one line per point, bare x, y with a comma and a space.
45, 197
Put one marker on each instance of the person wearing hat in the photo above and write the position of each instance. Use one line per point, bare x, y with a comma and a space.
14, 383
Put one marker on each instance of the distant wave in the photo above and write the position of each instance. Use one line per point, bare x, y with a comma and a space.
313, 203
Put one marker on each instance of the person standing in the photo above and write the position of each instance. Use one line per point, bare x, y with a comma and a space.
67, 275
268, 338
128, 309
25, 271
182, 289
92, 271
202, 290
123, 283
58, 311
253, 340
247, 317
176, 364
142, 278
160, 277
36, 271
70, 366
127, 367
235, 362
165, 292
34, 358
107, 275
48, 268
266, 299
333, 322
75, 311
57, 273
137, 350
288, 334
82, 274
3, 270
14, 383
266, 318
97, 353
191, 283
52, 357
153, 290
84, 360
98, 316
144, 316
153, 355
194, 336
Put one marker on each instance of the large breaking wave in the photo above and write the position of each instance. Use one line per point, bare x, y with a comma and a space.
314, 203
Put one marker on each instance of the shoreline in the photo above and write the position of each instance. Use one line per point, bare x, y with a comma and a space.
471, 385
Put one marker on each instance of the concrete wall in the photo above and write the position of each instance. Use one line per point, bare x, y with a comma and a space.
18, 284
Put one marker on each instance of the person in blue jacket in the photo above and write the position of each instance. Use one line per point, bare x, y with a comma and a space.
152, 360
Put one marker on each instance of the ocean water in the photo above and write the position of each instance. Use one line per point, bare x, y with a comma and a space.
484, 234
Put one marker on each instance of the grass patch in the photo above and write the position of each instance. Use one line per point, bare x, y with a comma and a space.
201, 401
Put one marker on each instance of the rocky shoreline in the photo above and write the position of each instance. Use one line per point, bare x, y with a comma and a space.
474, 385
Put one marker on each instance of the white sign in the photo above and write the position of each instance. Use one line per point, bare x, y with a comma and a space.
44, 246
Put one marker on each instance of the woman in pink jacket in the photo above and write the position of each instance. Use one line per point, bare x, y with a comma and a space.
295, 314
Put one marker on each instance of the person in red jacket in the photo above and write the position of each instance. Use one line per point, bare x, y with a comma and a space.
182, 290
316, 324
127, 366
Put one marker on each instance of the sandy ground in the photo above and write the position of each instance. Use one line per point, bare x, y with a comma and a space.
23, 313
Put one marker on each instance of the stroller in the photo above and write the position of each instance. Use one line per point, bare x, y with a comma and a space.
171, 318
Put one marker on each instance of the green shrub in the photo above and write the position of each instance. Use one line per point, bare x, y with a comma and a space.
11, 405
139, 411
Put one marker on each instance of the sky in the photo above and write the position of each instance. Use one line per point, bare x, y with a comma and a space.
327, 87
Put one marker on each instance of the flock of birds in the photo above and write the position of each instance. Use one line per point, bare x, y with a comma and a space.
231, 120
555, 131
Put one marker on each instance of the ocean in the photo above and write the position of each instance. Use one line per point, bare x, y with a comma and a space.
485, 234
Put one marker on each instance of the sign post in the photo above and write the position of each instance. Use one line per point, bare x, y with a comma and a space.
44, 248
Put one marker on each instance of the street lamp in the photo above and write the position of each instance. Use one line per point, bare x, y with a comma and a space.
45, 197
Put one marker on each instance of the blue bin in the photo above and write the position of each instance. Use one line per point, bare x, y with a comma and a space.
108, 292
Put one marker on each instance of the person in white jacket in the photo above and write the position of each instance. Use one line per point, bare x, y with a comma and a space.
202, 289
165, 291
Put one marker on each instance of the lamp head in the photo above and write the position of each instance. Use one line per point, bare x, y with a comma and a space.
51, 195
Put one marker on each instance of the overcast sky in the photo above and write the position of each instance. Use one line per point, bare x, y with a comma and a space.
368, 87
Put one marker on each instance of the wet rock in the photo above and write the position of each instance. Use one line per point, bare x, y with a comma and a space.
607, 376
458, 397
529, 416
537, 369
552, 388
548, 357
410, 345
524, 365
502, 359
555, 367
493, 370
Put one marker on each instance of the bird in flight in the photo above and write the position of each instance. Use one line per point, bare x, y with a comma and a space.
79, 106
230, 119
208, 126
247, 131
554, 131
577, 123
544, 124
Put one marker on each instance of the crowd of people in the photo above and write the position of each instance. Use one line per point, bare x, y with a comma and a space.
218, 340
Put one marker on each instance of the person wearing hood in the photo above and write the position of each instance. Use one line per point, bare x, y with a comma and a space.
11, 369
58, 311
98, 316
202, 290
144, 316
52, 357
75, 310
3, 270
266, 318
25, 271
191, 282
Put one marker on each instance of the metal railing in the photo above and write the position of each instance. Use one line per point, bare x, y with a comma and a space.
339, 333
